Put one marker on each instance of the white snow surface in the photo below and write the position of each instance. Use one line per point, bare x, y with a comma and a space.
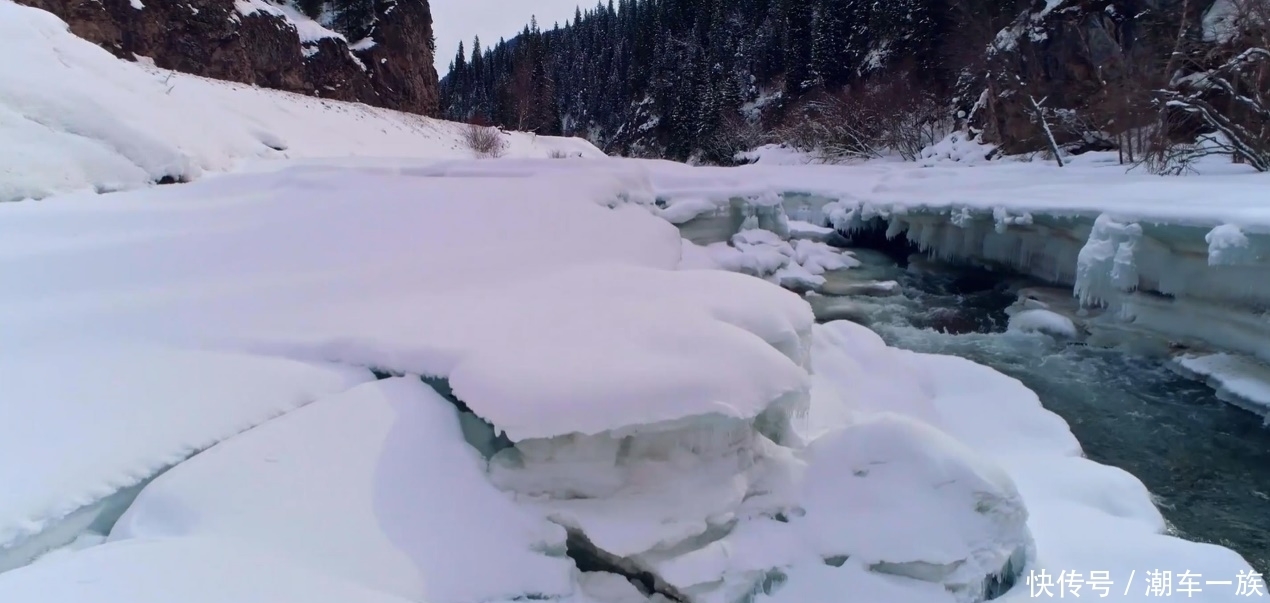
87, 420
190, 570
309, 30
1237, 378
693, 422
400, 503
1043, 321
73, 117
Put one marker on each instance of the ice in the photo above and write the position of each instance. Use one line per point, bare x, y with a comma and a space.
400, 504
1238, 379
1043, 321
189, 570
1106, 264
1228, 245
686, 209
1162, 264
74, 118
89, 419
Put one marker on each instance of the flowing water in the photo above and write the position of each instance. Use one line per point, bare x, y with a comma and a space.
1206, 461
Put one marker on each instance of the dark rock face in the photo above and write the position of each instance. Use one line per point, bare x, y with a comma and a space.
211, 38
1097, 58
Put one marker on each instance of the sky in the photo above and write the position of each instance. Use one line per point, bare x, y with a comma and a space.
459, 20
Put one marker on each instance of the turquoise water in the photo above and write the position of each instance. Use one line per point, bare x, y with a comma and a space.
1206, 461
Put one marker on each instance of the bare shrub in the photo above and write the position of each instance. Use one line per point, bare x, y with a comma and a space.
485, 141
558, 154
870, 121
734, 136
1224, 98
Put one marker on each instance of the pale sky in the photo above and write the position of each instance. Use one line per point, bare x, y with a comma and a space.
459, 20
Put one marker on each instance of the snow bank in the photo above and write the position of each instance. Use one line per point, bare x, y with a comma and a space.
73, 117
90, 420
1082, 516
886, 475
1237, 379
390, 497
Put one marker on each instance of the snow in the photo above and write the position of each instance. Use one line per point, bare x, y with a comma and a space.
190, 570
136, 409
958, 148
907, 477
1220, 21
401, 505
310, 31
1043, 321
75, 118
1137, 245
613, 390
687, 208
1236, 378
1228, 245
798, 264
1082, 516
776, 154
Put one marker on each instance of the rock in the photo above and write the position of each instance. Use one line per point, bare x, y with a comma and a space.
211, 38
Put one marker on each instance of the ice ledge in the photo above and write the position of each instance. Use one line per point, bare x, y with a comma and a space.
1239, 380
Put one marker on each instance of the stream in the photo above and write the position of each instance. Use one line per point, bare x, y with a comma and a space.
1207, 462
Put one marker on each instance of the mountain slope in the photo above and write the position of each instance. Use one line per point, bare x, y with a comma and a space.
73, 117
379, 52
708, 78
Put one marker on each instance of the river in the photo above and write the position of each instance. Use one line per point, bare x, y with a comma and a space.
1207, 462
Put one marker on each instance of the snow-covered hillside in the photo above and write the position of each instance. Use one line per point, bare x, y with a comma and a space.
369, 370
73, 117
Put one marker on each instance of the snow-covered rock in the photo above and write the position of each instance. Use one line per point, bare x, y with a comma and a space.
1043, 321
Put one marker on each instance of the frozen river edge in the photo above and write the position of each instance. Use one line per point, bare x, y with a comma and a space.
1188, 286
727, 446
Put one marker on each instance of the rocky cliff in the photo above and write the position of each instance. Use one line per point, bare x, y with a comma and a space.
272, 45
1096, 66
